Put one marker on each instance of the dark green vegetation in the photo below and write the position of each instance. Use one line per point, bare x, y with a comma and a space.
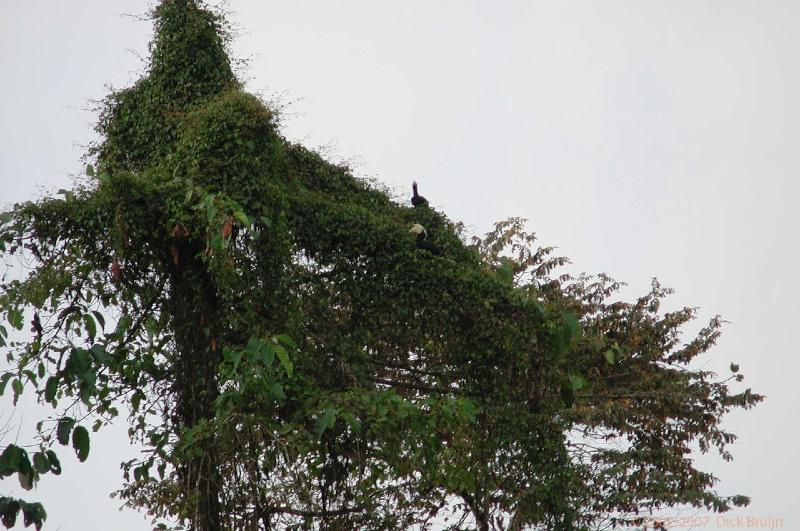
291, 359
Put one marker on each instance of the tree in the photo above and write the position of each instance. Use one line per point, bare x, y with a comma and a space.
291, 359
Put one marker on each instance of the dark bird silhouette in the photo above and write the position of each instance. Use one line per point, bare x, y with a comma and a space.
422, 241
416, 199
36, 325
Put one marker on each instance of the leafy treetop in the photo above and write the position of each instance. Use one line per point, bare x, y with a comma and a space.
290, 358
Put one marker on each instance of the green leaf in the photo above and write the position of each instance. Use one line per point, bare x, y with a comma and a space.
80, 442
99, 353
100, 319
15, 318
78, 362
122, 325
33, 514
577, 382
16, 385
234, 356
4, 381
88, 385
152, 328
91, 327
267, 353
609, 355
286, 340
227, 400
27, 373
325, 421
283, 357
9, 507
276, 390
26, 479
241, 217
50, 389
10, 460
734, 367
136, 399
90, 170
64, 429
25, 473
41, 463
55, 464
468, 409
217, 244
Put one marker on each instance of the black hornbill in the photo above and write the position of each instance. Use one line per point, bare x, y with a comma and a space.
422, 242
416, 199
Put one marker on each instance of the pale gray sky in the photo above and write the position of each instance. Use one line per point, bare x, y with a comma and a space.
643, 138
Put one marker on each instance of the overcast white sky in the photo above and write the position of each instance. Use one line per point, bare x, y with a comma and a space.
643, 138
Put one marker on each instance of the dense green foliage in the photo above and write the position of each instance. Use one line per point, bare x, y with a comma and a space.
289, 357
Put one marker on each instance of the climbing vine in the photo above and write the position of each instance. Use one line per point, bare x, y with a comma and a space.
293, 356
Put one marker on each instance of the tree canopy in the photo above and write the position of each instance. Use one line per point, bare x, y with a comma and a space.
291, 359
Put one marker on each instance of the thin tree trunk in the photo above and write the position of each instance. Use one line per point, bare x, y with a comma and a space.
194, 309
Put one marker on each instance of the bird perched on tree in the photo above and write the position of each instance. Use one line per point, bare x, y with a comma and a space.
36, 325
422, 242
416, 199
417, 230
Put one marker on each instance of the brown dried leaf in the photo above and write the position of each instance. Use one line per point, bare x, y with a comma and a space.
116, 270
227, 228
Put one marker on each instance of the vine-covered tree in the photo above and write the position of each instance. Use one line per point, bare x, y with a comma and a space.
293, 356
